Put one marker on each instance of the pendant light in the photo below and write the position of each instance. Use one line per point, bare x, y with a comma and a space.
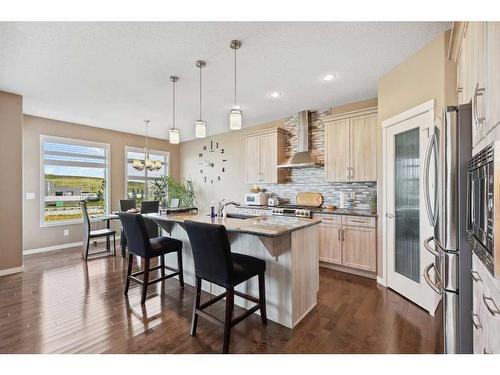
174, 133
235, 113
200, 126
151, 165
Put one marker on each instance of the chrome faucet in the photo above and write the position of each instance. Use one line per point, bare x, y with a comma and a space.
223, 204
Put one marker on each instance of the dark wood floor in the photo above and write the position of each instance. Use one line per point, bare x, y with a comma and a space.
63, 305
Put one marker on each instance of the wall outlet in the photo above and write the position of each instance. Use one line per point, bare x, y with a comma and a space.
66, 232
30, 196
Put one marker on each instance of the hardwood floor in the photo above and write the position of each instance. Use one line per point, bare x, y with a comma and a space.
62, 305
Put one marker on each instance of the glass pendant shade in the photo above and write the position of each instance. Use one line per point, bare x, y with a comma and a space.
200, 129
175, 136
157, 165
235, 119
138, 165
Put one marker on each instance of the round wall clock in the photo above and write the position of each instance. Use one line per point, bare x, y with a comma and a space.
212, 162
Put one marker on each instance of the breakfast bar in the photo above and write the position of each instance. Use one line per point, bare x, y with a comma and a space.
290, 247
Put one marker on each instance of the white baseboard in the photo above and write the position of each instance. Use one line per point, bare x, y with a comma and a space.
10, 271
63, 246
382, 281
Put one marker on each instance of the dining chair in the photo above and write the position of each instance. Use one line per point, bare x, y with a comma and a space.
215, 263
151, 207
139, 244
125, 205
89, 234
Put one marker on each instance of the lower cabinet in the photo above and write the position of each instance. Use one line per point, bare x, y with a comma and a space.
348, 241
485, 313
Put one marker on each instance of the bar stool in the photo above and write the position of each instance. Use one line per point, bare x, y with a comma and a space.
125, 205
89, 234
214, 262
140, 244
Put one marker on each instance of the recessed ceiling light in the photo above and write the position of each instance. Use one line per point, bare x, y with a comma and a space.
329, 77
275, 94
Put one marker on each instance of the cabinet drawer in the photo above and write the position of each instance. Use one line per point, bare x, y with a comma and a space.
359, 221
329, 219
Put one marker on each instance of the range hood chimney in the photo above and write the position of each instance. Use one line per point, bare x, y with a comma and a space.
303, 158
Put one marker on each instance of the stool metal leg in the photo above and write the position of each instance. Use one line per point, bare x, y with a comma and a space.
180, 268
228, 319
194, 322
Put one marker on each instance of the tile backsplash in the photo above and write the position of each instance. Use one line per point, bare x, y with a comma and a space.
313, 179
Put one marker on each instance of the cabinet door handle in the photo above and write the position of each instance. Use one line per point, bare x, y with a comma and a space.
476, 277
343, 235
493, 311
338, 234
352, 172
476, 322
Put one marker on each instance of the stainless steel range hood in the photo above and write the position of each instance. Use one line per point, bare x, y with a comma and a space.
303, 158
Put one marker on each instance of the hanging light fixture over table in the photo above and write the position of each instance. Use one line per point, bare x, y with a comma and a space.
235, 113
174, 133
150, 165
200, 126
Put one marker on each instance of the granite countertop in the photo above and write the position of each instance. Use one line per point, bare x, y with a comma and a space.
267, 226
322, 210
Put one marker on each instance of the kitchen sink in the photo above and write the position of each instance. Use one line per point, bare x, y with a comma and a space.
239, 216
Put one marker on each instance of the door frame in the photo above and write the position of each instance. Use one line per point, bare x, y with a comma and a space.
427, 107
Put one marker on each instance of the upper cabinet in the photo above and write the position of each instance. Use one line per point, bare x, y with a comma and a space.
351, 147
264, 151
475, 47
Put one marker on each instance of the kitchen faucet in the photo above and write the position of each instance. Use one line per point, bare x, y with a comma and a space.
223, 205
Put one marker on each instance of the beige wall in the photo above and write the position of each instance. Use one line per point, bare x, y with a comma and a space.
33, 235
233, 185
427, 74
11, 123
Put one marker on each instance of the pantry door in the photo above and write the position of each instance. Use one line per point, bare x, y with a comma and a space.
406, 224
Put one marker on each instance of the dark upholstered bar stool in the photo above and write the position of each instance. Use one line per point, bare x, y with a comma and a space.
88, 234
140, 244
125, 205
151, 207
214, 262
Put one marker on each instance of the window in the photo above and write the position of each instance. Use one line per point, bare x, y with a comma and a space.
71, 171
139, 184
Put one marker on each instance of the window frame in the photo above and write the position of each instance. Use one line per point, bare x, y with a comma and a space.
141, 150
76, 142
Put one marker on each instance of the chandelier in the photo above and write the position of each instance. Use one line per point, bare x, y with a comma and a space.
150, 165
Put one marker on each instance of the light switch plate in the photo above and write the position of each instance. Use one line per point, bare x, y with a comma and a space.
66, 232
30, 196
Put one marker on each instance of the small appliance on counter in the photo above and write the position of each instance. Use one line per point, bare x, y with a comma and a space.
256, 199
273, 200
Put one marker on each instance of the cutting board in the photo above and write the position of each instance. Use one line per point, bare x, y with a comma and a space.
309, 199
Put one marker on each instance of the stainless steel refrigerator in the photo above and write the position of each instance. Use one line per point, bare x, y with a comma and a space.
450, 147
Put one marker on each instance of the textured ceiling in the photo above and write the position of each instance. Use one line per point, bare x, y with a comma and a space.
115, 74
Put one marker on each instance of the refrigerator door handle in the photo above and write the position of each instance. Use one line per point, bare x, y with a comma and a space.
429, 248
431, 146
434, 286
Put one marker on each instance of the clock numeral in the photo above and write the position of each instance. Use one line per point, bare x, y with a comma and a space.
204, 148
201, 170
218, 178
221, 150
224, 159
211, 181
211, 145
216, 144
223, 169
205, 179
200, 155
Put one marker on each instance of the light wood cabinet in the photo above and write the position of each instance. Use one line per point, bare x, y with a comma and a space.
485, 310
348, 241
330, 245
264, 151
492, 75
351, 147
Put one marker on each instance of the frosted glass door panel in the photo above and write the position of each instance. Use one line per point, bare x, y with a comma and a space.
407, 211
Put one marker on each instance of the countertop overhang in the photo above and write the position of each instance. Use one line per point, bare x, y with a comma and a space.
265, 226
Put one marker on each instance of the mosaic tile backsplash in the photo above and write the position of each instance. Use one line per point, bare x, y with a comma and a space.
313, 179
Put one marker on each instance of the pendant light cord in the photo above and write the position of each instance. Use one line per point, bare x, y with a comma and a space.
235, 77
146, 153
200, 92
173, 105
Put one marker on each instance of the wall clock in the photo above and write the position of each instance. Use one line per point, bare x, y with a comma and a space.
212, 161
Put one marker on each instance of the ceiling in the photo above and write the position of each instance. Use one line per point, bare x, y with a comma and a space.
114, 75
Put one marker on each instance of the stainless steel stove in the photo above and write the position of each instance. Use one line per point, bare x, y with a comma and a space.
292, 210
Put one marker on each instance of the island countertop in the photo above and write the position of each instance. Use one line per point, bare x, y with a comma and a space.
266, 226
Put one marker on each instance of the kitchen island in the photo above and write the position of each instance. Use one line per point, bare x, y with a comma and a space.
290, 247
